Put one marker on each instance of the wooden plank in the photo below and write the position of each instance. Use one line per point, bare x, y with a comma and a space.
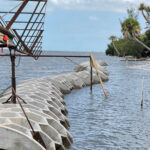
98, 75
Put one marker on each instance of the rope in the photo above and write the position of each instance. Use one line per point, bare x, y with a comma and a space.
11, 10
23, 111
74, 62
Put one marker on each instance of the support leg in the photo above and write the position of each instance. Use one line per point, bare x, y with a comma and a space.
13, 78
91, 75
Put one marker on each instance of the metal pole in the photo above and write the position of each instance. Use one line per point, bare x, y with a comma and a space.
13, 78
91, 75
30, 55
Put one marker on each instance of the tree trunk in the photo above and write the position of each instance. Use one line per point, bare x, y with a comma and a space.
136, 39
115, 48
146, 18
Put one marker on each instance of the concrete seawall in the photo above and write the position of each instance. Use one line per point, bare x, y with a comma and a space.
45, 109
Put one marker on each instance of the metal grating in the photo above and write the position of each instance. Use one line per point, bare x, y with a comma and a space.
26, 22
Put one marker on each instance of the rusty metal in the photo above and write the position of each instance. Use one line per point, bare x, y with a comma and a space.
91, 75
28, 42
28, 37
16, 14
72, 56
36, 135
13, 78
25, 42
25, 13
36, 40
28, 23
20, 40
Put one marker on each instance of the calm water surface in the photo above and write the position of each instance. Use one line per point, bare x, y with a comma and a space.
117, 123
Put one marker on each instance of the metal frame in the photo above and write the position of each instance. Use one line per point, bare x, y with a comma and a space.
62, 56
28, 38
28, 41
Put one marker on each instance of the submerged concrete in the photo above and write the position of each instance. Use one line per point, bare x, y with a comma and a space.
45, 109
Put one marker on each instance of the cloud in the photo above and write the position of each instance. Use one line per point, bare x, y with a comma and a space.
91, 5
93, 18
97, 5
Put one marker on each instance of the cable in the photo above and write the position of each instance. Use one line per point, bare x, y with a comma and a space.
11, 10
74, 62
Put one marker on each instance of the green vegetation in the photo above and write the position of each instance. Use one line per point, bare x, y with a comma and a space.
132, 43
126, 46
113, 39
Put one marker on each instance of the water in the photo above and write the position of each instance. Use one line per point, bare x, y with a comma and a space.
117, 123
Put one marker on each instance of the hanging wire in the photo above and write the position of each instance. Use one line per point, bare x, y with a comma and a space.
72, 61
10, 10
75, 62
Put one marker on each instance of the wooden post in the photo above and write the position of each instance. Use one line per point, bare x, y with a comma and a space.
142, 93
91, 75
99, 77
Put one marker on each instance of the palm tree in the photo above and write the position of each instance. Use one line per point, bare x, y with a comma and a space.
113, 39
131, 28
143, 8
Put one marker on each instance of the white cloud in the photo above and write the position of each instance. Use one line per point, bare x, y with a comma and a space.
93, 18
97, 5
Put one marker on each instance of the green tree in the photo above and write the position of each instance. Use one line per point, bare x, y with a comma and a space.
145, 12
126, 46
110, 50
113, 39
132, 13
131, 29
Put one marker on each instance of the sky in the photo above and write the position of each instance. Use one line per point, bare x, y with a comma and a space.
84, 25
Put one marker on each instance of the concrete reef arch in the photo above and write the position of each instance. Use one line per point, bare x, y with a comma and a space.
45, 109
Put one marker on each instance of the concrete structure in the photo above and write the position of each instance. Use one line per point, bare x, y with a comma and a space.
45, 109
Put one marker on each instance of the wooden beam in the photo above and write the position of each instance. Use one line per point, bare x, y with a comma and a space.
98, 75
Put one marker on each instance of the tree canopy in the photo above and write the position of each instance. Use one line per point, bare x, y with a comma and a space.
133, 42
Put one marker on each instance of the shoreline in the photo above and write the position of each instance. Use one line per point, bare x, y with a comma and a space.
45, 108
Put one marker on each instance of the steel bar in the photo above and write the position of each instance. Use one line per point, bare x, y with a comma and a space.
25, 22
91, 75
36, 20
32, 42
13, 78
38, 44
31, 36
33, 33
25, 13
20, 40
37, 30
72, 56
28, 30
17, 14
29, 21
